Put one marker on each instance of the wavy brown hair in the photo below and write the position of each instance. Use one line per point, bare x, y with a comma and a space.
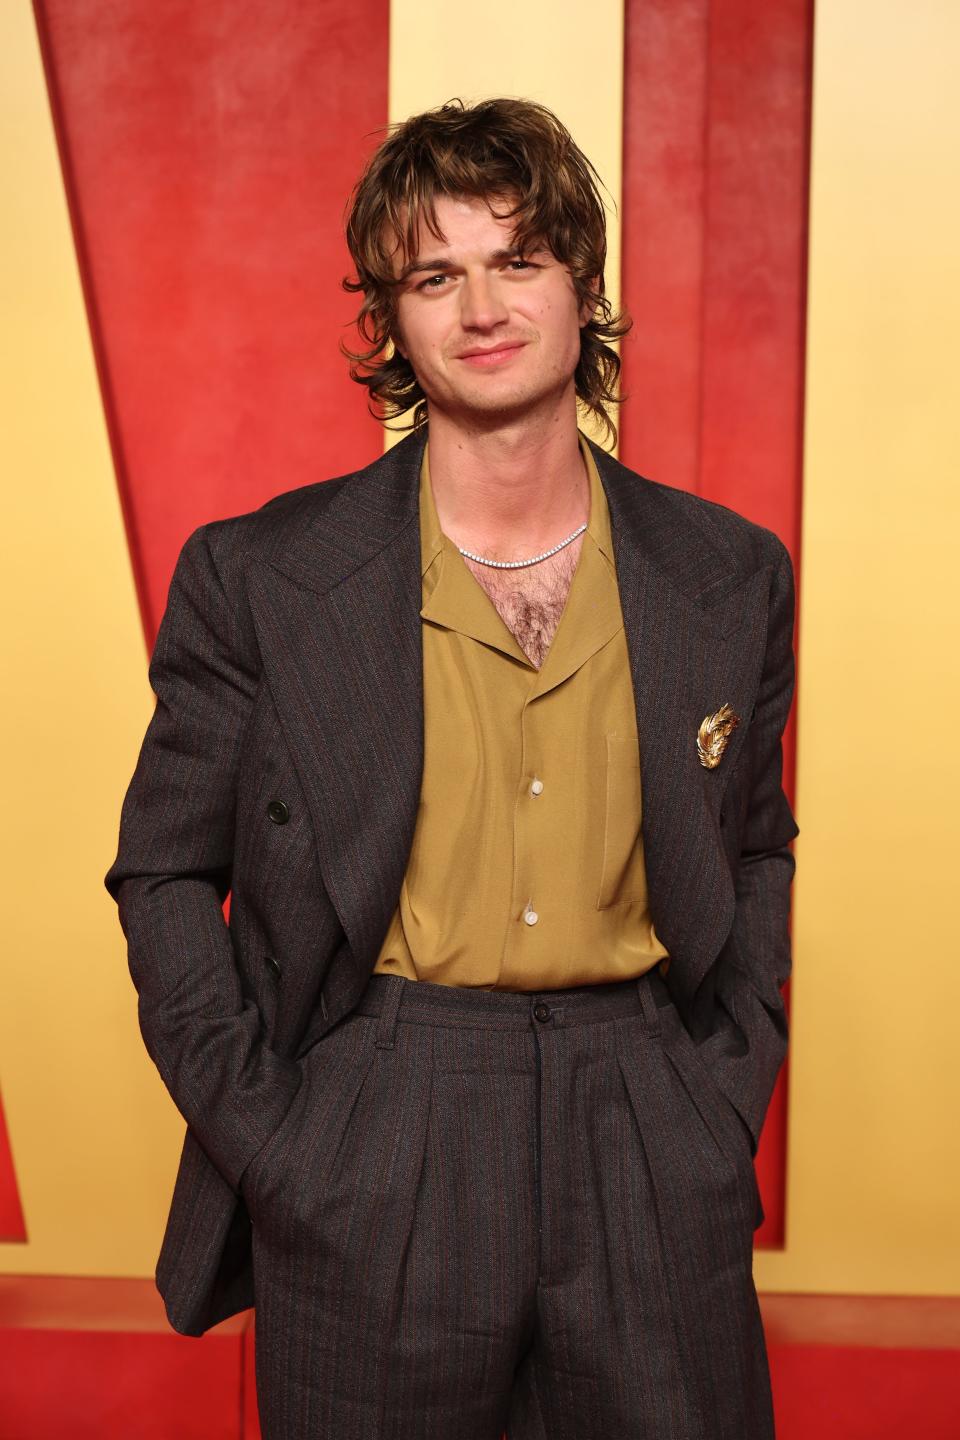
513, 152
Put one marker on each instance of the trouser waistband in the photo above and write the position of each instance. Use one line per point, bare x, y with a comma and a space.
397, 1000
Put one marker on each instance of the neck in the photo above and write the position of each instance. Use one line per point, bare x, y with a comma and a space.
510, 490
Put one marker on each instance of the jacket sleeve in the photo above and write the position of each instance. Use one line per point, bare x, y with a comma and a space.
173, 871
748, 1039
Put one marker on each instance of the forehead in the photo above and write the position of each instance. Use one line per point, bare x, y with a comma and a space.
466, 224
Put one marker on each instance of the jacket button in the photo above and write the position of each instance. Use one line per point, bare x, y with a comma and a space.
274, 966
278, 812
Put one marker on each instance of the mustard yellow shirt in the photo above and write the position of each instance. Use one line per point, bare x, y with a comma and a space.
526, 868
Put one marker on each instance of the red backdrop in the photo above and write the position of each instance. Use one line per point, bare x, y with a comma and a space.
715, 182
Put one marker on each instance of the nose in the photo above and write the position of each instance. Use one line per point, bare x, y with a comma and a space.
481, 306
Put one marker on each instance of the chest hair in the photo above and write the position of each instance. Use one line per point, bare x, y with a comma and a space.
531, 600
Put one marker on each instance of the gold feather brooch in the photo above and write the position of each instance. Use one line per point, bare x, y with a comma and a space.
713, 735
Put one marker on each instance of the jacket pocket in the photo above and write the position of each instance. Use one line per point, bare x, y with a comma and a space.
623, 876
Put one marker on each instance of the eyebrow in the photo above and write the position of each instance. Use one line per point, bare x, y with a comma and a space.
420, 267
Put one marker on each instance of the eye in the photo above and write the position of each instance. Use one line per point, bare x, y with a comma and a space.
432, 282
521, 265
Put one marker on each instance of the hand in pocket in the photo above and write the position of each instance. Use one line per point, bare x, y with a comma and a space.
250, 1179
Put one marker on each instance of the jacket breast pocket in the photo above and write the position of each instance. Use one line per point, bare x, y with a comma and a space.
623, 876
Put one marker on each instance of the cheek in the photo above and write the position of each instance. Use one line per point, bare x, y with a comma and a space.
562, 325
559, 318
420, 340
412, 330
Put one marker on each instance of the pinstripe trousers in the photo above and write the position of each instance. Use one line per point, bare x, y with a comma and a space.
493, 1212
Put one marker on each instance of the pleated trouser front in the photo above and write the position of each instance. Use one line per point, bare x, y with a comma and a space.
492, 1212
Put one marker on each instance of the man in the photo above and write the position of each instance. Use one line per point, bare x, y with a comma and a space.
474, 1077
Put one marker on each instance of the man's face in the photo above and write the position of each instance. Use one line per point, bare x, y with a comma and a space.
490, 336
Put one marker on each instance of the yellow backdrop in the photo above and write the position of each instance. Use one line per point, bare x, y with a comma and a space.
874, 1171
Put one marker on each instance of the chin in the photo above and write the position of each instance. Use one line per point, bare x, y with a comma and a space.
504, 399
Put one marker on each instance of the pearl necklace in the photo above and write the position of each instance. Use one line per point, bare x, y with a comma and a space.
514, 564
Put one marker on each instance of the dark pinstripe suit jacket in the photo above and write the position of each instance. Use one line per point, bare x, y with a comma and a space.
283, 764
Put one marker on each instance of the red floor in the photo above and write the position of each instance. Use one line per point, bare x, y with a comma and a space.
96, 1360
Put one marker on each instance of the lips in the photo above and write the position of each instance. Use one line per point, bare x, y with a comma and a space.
491, 355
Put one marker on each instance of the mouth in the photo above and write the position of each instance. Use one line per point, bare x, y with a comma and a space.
482, 357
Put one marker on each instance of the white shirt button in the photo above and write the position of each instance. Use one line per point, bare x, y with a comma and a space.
536, 787
531, 917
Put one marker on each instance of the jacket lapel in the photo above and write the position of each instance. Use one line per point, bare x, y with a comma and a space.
695, 634
338, 614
